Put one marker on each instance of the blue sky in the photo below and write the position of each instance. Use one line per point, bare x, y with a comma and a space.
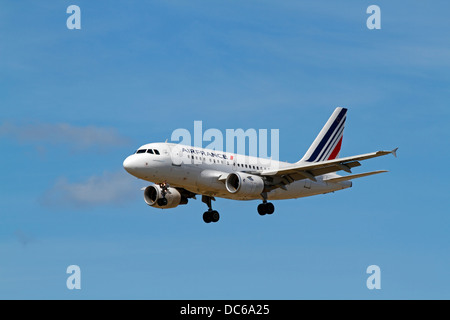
75, 103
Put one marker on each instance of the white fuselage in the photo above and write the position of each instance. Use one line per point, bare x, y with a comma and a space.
203, 171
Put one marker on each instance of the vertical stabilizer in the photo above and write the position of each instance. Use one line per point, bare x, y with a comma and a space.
327, 144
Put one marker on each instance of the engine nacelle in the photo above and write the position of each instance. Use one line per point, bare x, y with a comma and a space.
154, 193
244, 184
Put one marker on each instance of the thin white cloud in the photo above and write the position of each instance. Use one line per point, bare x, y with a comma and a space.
23, 237
111, 188
75, 137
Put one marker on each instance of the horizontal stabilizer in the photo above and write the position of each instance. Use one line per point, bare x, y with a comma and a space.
353, 176
323, 167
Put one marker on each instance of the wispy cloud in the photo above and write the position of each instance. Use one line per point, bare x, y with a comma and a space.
23, 237
110, 188
75, 137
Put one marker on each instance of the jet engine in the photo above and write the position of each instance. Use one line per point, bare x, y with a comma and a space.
244, 184
166, 198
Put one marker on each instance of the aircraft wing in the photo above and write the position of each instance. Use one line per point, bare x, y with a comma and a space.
310, 170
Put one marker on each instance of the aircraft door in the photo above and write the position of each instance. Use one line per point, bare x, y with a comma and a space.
176, 155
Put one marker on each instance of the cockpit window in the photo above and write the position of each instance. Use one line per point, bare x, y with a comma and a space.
141, 151
150, 151
156, 151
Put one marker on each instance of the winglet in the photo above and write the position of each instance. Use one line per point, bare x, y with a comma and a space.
394, 152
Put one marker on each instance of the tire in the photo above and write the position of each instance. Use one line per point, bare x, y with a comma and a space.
262, 209
270, 208
207, 217
215, 216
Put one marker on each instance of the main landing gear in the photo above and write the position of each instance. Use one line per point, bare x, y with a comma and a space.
213, 216
265, 207
210, 215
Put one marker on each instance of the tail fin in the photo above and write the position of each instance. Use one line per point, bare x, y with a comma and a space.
328, 143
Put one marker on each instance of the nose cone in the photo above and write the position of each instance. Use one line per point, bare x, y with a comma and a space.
130, 165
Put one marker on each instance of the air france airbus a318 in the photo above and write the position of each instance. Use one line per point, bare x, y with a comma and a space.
179, 172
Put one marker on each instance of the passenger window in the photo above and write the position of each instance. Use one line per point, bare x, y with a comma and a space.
141, 151
156, 151
150, 151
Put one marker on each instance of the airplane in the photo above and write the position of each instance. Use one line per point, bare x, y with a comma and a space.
179, 172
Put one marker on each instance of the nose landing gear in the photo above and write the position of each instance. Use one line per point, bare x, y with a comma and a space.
163, 201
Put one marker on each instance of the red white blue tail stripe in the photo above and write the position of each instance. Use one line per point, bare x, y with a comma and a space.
327, 144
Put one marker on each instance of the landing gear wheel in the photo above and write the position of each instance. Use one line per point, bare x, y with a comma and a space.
270, 208
211, 216
207, 217
214, 216
266, 208
162, 202
262, 209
